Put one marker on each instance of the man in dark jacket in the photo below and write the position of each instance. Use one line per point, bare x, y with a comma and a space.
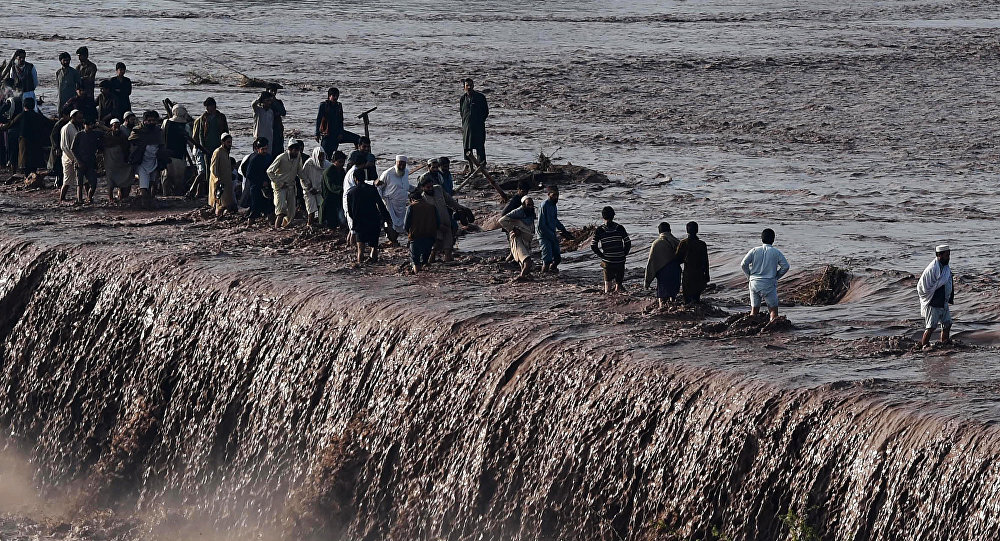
474, 111
332, 210
693, 254
87, 70
278, 125
330, 130
82, 102
121, 89
33, 132
421, 224
255, 198
368, 215
85, 147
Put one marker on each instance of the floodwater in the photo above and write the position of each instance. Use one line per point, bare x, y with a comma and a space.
864, 133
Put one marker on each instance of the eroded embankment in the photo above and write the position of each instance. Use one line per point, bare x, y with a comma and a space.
358, 410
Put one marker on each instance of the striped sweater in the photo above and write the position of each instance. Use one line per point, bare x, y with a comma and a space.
611, 243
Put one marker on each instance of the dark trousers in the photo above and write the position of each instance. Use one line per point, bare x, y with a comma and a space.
480, 153
420, 250
331, 142
89, 174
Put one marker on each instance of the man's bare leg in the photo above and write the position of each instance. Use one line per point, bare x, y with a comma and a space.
278, 219
773, 312
946, 334
926, 339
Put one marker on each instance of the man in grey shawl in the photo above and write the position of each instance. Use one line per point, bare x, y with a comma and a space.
664, 266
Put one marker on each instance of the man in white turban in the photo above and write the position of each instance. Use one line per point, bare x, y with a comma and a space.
394, 187
936, 290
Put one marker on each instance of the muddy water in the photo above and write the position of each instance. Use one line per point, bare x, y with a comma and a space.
863, 132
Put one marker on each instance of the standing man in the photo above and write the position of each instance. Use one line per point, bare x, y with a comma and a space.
367, 213
447, 180
693, 253
67, 79
116, 167
434, 194
331, 209
87, 69
421, 225
175, 136
263, 120
66, 139
362, 158
548, 224
764, 266
85, 149
208, 131
254, 197
107, 106
311, 181
221, 190
22, 76
283, 171
55, 157
33, 131
121, 89
663, 266
520, 226
278, 107
330, 132
394, 187
147, 154
612, 244
936, 290
474, 111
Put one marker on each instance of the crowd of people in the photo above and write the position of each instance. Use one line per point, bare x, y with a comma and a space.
181, 155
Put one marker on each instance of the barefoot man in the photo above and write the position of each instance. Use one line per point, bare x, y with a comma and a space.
764, 266
936, 290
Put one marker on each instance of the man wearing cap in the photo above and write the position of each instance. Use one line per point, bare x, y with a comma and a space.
764, 266
116, 167
175, 137
221, 192
129, 121
87, 70
283, 172
22, 76
520, 225
67, 79
208, 130
394, 187
936, 290
121, 89
66, 139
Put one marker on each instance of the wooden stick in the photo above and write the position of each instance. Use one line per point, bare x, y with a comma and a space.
481, 167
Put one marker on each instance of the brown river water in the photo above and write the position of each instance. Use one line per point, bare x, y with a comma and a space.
162, 373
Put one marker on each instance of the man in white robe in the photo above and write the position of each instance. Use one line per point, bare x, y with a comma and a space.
936, 291
394, 187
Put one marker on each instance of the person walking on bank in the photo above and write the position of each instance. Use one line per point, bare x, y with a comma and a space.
693, 254
663, 266
764, 266
67, 79
475, 110
421, 224
936, 290
520, 224
208, 130
116, 167
312, 184
221, 189
87, 71
548, 224
332, 209
147, 154
254, 196
394, 187
86, 146
33, 132
66, 139
284, 171
434, 194
612, 244
330, 132
368, 215
121, 89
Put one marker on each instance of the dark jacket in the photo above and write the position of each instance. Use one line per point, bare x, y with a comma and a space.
693, 253
330, 119
86, 145
421, 220
121, 89
474, 110
143, 136
85, 104
366, 209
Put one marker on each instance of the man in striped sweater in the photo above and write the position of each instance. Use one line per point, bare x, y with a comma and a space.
612, 245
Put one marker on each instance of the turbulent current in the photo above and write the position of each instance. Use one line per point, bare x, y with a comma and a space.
176, 375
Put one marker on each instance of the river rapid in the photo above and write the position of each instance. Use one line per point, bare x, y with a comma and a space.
864, 133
